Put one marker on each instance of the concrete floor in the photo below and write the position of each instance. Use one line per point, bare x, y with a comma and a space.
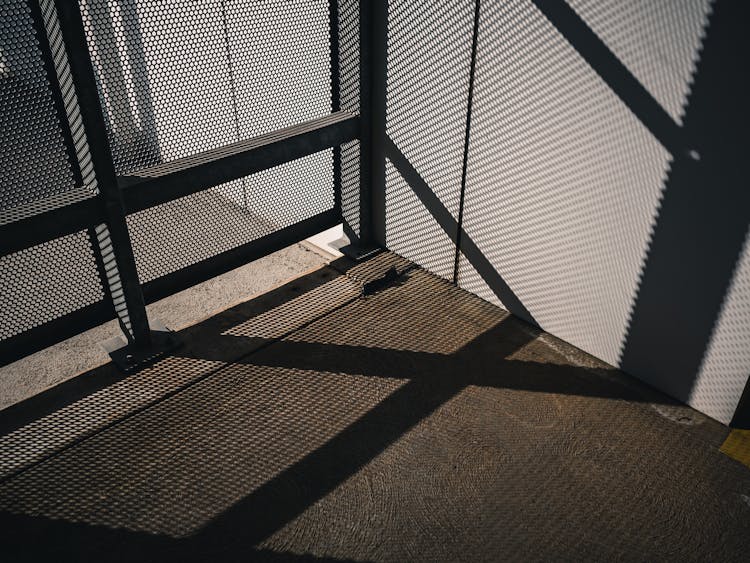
340, 418
60, 362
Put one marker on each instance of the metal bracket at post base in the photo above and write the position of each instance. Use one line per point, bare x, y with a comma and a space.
357, 253
132, 357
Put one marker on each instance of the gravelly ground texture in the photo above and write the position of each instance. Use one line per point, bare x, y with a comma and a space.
342, 418
69, 358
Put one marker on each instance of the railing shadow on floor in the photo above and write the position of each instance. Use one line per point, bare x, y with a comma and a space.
268, 408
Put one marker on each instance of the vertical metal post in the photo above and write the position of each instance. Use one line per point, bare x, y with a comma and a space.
373, 37
333, 21
92, 121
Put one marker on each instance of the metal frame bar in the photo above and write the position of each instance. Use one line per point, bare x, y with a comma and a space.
195, 173
365, 108
741, 418
84, 80
49, 67
373, 37
119, 196
333, 32
236, 257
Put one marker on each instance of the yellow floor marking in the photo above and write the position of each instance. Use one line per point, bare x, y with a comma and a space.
737, 446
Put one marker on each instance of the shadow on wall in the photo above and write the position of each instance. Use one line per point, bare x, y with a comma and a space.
699, 236
685, 305
702, 223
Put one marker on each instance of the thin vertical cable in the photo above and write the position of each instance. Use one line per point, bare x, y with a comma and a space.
459, 227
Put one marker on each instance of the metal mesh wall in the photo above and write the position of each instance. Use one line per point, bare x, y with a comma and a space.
565, 173
174, 79
47, 282
51, 281
181, 78
563, 181
429, 53
174, 235
178, 79
36, 163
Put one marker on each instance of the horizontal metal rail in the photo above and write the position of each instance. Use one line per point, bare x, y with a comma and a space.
50, 223
172, 180
234, 258
48, 220
54, 331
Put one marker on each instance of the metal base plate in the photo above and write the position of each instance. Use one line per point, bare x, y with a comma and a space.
130, 358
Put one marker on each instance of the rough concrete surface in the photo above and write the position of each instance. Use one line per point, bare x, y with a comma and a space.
337, 418
55, 364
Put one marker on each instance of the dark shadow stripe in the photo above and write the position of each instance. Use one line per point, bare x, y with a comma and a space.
615, 74
472, 365
79, 541
446, 221
250, 521
741, 417
702, 224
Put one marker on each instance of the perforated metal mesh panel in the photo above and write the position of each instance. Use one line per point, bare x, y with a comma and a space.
46, 282
350, 181
177, 79
726, 364
563, 181
180, 78
169, 237
35, 162
348, 43
659, 42
429, 53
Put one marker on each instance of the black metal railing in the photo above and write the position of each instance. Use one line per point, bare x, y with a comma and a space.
108, 206
554, 157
